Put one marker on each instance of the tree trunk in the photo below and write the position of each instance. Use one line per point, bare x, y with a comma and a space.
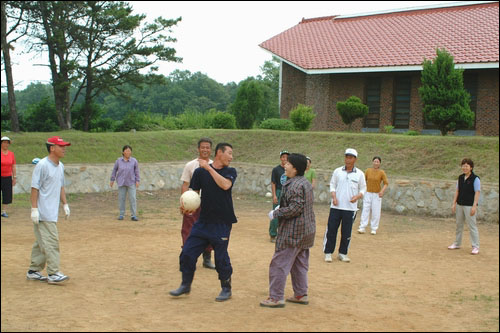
60, 80
14, 119
87, 108
61, 99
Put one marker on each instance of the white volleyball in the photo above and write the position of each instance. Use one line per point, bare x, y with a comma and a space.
190, 200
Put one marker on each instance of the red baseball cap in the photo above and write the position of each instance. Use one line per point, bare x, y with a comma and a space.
55, 140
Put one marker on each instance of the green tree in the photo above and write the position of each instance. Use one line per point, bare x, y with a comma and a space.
113, 53
98, 44
9, 12
270, 86
33, 94
445, 100
351, 109
52, 30
248, 102
41, 117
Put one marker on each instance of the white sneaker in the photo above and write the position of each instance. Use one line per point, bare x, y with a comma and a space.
57, 278
361, 231
373, 232
343, 257
33, 275
328, 257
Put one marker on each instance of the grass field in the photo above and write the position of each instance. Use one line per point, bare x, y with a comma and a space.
429, 157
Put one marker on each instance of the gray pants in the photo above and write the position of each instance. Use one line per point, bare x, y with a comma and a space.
463, 214
290, 260
46, 248
122, 194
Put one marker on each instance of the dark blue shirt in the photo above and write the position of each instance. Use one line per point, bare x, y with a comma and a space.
276, 176
216, 203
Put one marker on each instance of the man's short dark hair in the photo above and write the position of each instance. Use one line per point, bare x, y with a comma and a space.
377, 158
299, 162
222, 146
204, 140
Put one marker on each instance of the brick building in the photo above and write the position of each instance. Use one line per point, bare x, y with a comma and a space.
378, 57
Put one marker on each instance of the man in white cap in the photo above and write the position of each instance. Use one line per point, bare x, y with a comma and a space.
347, 186
47, 191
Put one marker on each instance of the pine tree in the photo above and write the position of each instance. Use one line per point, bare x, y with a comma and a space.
446, 102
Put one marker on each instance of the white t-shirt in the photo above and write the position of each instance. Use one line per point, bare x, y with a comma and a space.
48, 179
346, 185
189, 168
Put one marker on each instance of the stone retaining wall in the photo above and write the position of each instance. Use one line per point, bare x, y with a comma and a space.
404, 196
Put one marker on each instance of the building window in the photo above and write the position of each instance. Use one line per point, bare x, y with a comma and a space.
372, 119
402, 94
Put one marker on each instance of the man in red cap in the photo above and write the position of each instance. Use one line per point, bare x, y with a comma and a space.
47, 190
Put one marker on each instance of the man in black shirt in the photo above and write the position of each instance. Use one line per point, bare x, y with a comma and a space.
216, 219
278, 178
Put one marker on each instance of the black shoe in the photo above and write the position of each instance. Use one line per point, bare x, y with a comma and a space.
225, 293
207, 263
183, 289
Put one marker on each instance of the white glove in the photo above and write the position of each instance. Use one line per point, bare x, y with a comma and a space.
35, 216
271, 213
66, 210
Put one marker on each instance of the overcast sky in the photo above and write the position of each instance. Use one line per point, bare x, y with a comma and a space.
220, 39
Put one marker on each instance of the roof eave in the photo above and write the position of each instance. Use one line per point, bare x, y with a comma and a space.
409, 68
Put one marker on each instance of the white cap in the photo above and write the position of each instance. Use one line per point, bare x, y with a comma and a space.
351, 151
5, 138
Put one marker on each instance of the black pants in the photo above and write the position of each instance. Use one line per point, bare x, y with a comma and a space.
337, 216
202, 235
7, 190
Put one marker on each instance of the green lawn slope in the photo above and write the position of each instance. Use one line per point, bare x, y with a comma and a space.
403, 156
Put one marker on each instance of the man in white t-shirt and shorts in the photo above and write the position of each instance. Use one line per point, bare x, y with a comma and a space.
204, 151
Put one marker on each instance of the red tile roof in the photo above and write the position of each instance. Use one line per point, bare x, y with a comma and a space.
468, 32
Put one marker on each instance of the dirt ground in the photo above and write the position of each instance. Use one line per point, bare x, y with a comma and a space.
402, 279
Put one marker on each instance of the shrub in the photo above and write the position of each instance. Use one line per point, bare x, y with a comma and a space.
351, 109
102, 125
223, 120
388, 129
170, 123
302, 117
411, 132
96, 122
277, 124
192, 120
42, 117
140, 121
